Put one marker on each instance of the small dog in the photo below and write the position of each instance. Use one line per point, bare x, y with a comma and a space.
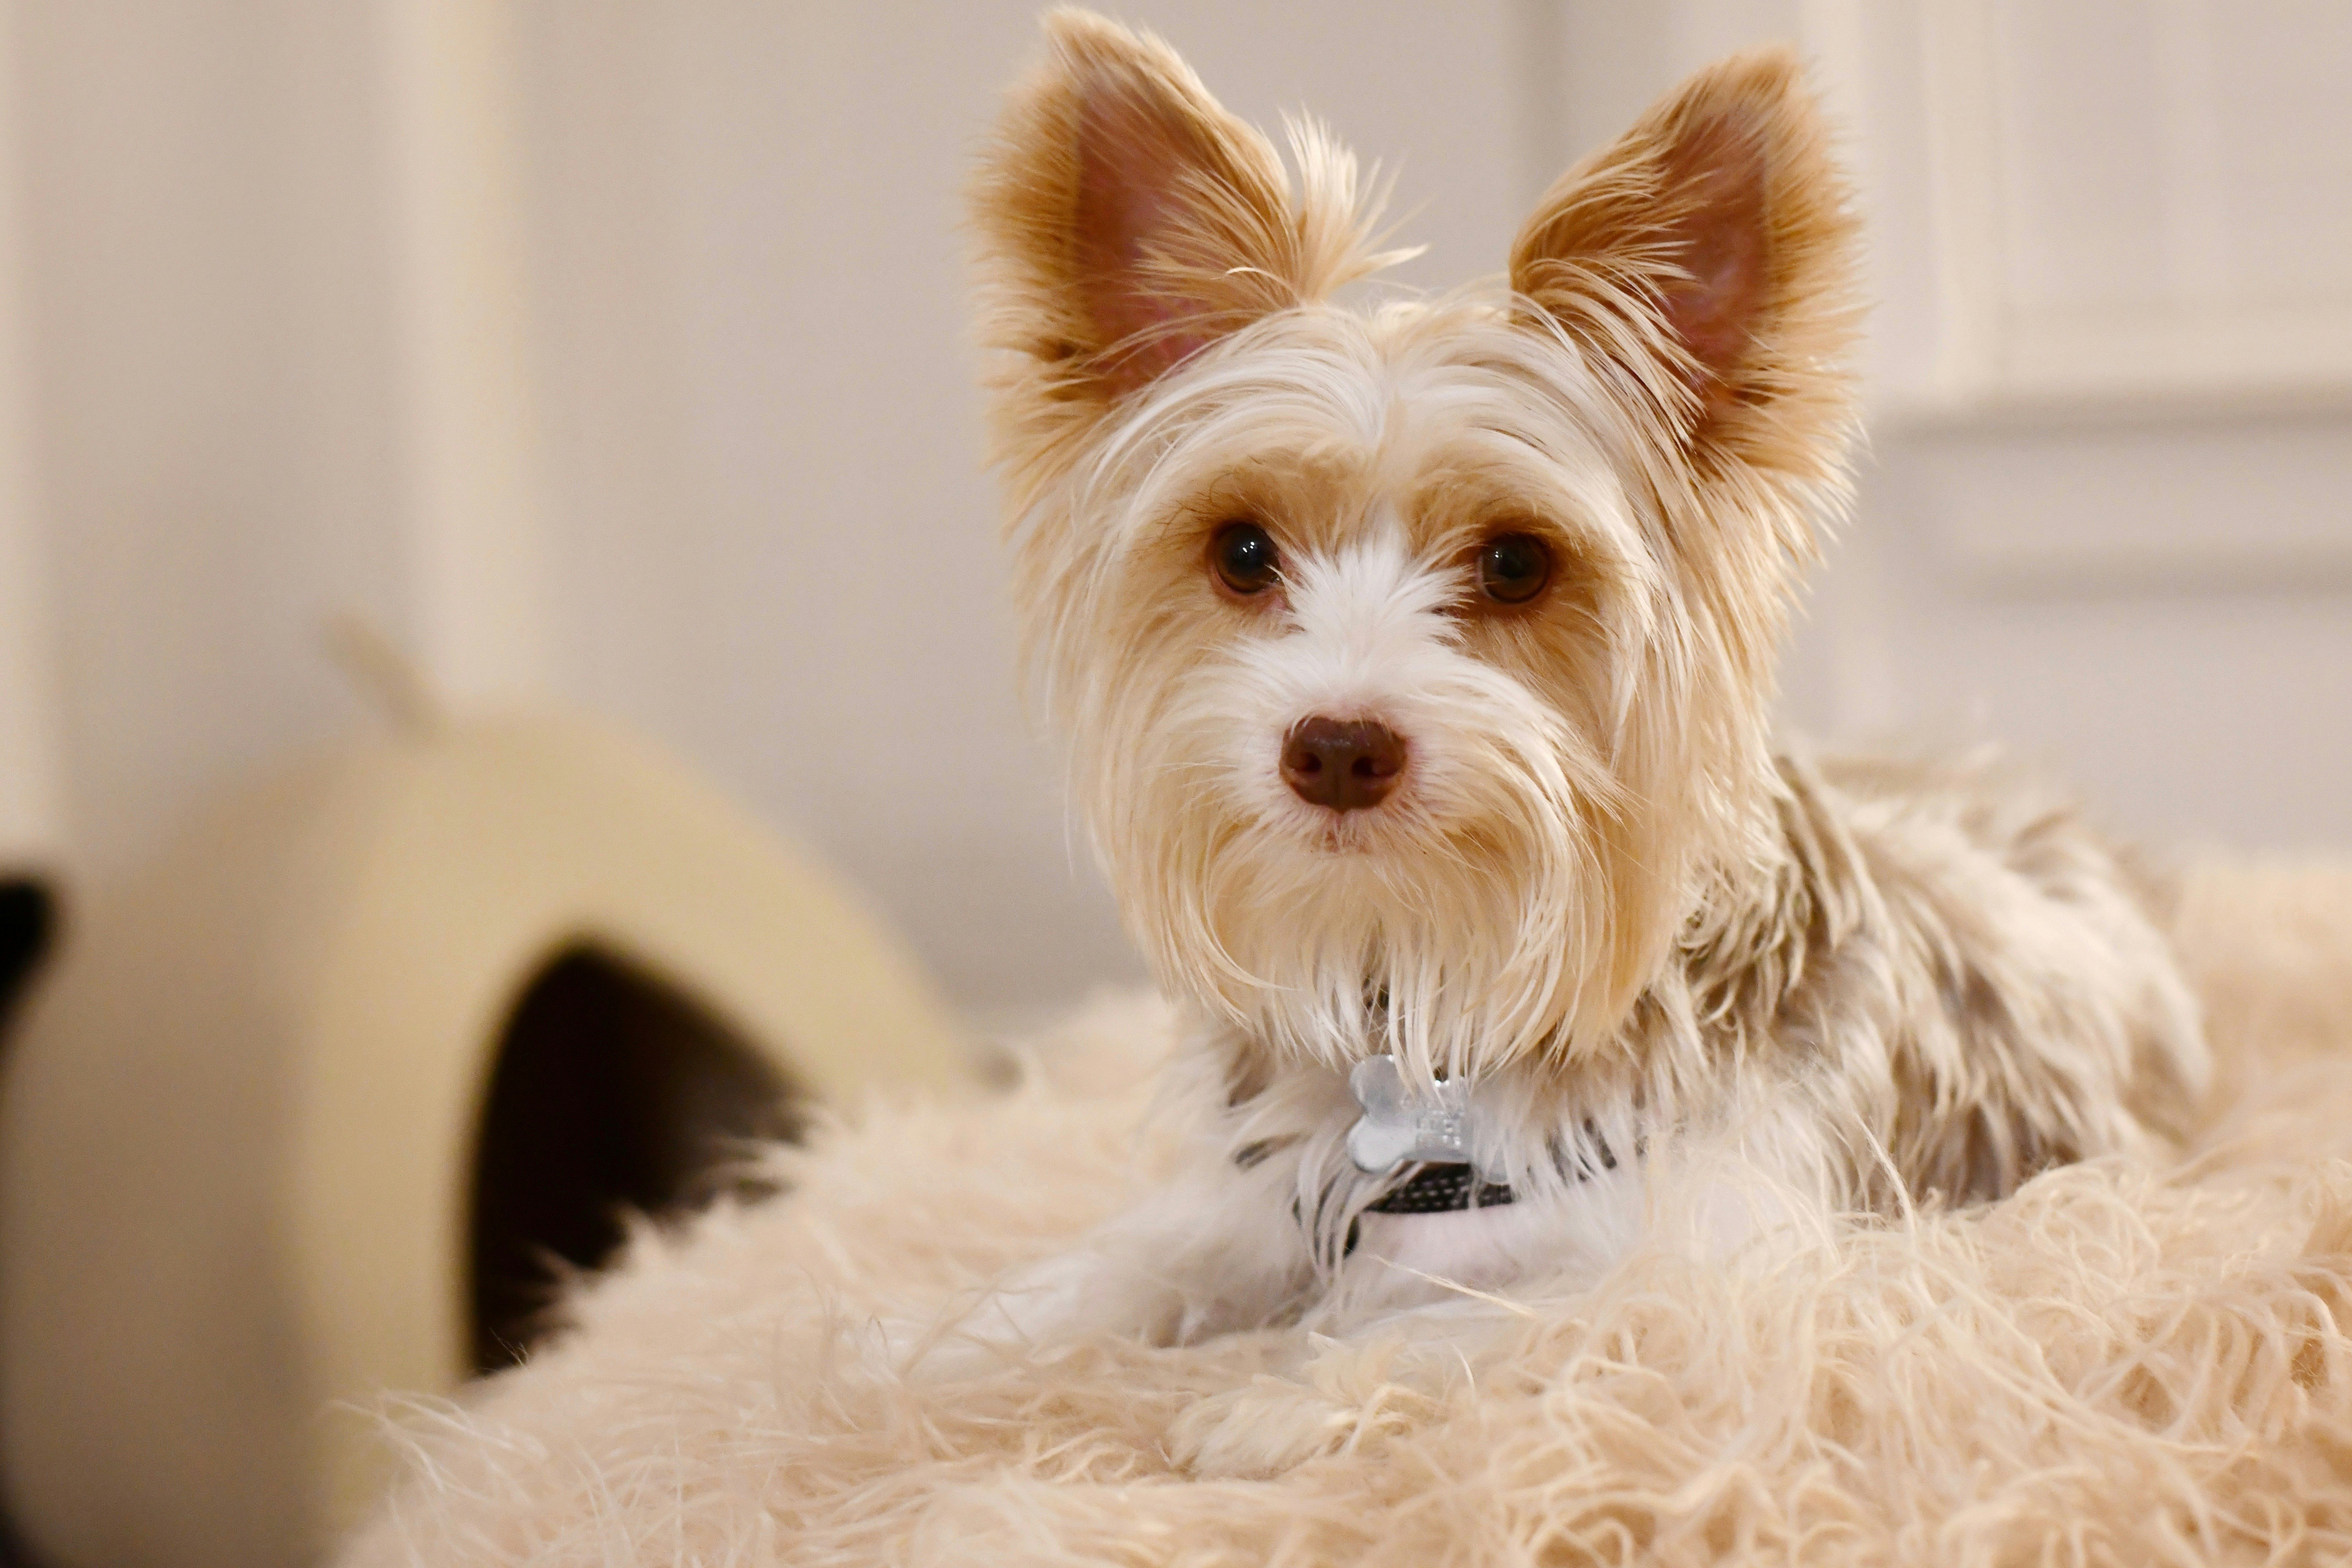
1417, 660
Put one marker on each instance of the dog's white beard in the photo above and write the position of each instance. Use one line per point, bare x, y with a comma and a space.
1455, 950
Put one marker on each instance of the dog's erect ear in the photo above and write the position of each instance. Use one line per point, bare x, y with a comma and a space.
1126, 220
1709, 255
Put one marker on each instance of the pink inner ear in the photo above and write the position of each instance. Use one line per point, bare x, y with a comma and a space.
1130, 161
1718, 238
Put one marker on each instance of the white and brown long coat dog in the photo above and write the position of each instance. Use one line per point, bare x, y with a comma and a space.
1417, 658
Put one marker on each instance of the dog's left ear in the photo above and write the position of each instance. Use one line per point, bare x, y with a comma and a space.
1708, 258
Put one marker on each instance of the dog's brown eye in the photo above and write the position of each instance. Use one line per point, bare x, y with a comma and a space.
1243, 556
1513, 569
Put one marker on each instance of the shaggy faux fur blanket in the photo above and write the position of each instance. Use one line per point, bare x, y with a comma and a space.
2118, 1364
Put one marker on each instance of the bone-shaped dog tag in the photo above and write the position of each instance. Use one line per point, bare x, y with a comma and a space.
1399, 1124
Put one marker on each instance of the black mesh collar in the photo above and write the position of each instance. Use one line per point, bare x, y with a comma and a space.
1440, 1189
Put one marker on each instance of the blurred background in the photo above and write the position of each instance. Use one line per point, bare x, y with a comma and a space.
613, 358
616, 353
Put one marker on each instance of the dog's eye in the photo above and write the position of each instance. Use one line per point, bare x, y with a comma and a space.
1243, 556
1514, 568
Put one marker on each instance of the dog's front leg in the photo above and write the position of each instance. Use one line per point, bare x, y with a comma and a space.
1217, 1250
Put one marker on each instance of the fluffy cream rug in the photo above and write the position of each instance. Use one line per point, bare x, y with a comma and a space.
2117, 1365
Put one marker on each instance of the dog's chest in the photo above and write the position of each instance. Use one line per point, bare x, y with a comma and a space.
1487, 1247
1395, 1197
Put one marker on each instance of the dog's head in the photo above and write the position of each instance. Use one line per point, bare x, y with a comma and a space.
1415, 656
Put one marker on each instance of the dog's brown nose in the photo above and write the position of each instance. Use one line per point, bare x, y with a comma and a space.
1345, 765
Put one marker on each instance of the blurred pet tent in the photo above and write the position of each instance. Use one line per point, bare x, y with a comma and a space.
308, 1104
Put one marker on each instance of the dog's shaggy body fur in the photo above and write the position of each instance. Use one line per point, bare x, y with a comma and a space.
1593, 893
2120, 1365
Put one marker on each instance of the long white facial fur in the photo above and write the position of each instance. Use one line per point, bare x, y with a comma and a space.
1469, 895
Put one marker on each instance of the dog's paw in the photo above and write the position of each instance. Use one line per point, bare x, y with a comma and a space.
1342, 1398
1258, 1430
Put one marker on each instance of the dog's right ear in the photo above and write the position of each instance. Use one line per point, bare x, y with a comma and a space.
1127, 221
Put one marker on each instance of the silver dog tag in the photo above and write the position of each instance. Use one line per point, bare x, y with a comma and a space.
1399, 1124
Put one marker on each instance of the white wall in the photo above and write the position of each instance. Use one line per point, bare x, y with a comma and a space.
617, 350
203, 247
31, 812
